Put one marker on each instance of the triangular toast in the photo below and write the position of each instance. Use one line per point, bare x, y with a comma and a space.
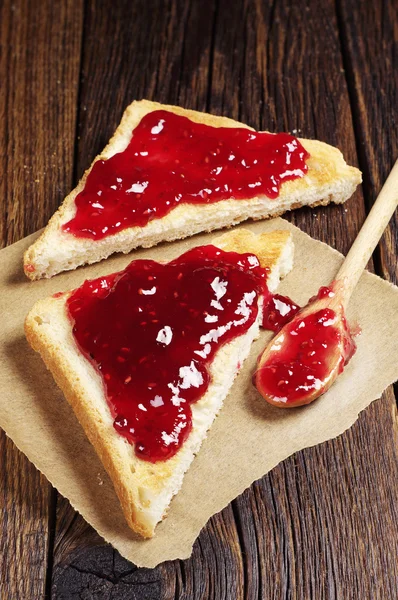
145, 489
328, 179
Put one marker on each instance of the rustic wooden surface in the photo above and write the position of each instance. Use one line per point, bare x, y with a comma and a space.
323, 524
39, 69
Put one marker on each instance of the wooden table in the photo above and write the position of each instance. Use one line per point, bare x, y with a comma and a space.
322, 525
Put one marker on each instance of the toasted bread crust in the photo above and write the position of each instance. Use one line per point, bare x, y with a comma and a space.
245, 241
139, 484
329, 179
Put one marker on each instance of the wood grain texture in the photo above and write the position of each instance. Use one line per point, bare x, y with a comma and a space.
286, 536
371, 61
322, 525
159, 50
39, 65
286, 73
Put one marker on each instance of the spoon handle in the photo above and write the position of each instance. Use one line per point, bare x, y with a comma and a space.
369, 235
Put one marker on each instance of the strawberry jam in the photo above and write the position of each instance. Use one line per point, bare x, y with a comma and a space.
278, 311
299, 363
152, 330
172, 160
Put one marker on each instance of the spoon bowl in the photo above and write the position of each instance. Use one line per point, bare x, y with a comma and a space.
304, 359
310, 351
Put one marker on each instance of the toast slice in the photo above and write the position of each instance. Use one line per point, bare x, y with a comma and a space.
328, 179
145, 489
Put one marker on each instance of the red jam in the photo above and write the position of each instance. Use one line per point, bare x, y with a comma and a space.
172, 160
325, 292
278, 311
152, 330
301, 366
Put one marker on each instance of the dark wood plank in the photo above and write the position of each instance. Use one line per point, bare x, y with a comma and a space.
369, 37
312, 527
39, 64
277, 78
155, 50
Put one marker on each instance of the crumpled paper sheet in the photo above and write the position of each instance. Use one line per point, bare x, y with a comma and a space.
248, 438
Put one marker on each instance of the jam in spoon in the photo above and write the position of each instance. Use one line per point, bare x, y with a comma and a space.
304, 359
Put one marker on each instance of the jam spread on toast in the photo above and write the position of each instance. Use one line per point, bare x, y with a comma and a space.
171, 160
152, 330
300, 362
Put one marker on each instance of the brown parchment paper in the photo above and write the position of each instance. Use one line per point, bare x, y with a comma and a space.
248, 438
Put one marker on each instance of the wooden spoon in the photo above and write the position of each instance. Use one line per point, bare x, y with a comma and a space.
304, 359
